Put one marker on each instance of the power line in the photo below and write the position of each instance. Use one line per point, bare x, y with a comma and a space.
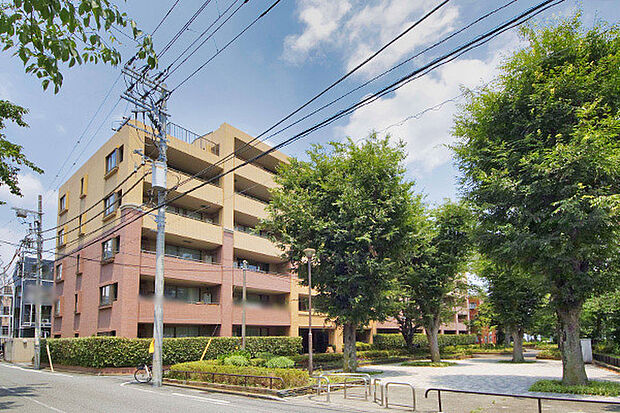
185, 27
331, 86
165, 17
263, 14
446, 58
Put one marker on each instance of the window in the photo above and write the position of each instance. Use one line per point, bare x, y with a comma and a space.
60, 240
113, 159
59, 272
110, 247
46, 314
303, 303
83, 186
5, 310
57, 308
184, 252
62, 204
80, 228
109, 204
76, 303
107, 333
5, 330
107, 294
78, 268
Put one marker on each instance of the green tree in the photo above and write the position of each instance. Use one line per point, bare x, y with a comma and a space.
44, 33
600, 319
11, 155
515, 297
539, 153
428, 279
351, 203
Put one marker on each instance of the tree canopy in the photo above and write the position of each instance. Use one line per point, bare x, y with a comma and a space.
538, 151
351, 203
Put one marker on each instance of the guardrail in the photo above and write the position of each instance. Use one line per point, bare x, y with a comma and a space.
245, 377
604, 358
517, 396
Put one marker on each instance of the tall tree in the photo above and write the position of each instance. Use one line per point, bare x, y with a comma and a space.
515, 297
428, 279
539, 153
351, 203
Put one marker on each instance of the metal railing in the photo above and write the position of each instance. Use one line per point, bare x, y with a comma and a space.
318, 386
187, 375
517, 396
190, 137
398, 383
607, 359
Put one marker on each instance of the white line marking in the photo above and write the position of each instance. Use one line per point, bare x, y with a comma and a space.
35, 371
34, 400
205, 399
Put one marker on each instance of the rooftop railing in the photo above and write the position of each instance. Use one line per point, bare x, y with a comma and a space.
190, 137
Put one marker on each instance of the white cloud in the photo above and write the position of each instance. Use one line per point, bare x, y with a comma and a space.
360, 28
427, 136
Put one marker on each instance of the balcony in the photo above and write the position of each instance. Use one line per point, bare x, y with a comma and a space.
182, 269
179, 312
210, 192
262, 315
255, 174
251, 206
257, 246
182, 229
263, 281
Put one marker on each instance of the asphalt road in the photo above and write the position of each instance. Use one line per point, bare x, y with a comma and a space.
26, 390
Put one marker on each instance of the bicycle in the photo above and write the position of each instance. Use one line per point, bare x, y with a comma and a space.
143, 373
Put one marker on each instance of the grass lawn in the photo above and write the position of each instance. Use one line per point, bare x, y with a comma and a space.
517, 362
420, 363
598, 388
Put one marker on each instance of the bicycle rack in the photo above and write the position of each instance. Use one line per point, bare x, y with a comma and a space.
374, 388
363, 376
398, 383
355, 379
318, 387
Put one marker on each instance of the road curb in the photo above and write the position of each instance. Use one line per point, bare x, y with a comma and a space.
225, 391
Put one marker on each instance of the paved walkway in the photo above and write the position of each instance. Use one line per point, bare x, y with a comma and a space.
481, 374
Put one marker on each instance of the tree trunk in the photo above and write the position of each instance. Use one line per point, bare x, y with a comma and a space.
507, 334
407, 329
517, 350
349, 357
573, 368
432, 330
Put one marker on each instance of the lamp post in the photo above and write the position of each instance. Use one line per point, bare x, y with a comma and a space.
243, 299
309, 252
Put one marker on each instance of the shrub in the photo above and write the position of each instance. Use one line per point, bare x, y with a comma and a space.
236, 361
265, 355
291, 377
101, 352
257, 362
549, 354
396, 341
280, 362
420, 363
361, 346
599, 388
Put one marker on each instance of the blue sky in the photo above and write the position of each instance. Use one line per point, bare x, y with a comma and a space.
292, 53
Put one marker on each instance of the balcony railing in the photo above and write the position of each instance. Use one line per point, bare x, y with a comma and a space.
202, 219
188, 175
190, 137
202, 260
252, 197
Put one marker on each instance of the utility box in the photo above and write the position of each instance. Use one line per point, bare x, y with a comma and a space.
19, 350
159, 175
586, 350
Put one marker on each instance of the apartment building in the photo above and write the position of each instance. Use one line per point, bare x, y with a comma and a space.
22, 303
104, 274
6, 313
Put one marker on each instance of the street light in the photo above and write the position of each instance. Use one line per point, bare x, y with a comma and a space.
243, 298
309, 252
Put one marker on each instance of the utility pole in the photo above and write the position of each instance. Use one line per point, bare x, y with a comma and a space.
139, 94
309, 252
39, 291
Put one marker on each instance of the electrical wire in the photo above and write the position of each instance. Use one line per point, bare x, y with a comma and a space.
165, 17
185, 27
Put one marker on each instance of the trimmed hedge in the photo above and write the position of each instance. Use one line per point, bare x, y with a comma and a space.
99, 352
291, 377
396, 341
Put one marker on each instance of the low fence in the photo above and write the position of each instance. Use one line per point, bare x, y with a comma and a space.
539, 399
187, 376
604, 358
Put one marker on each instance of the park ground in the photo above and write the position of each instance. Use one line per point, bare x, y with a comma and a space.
26, 390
